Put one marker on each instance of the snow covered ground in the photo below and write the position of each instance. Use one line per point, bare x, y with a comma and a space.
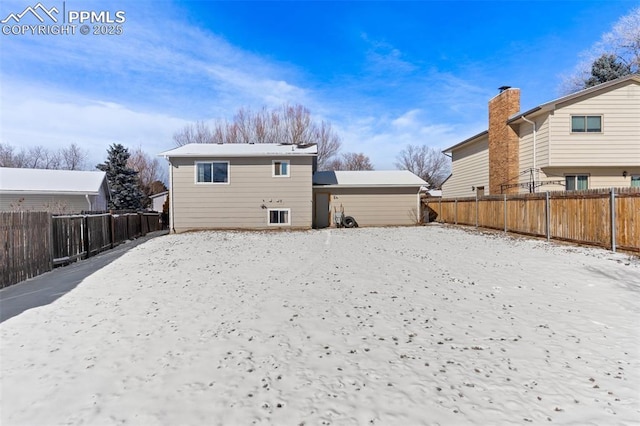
392, 326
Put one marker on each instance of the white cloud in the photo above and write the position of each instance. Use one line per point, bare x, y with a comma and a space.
40, 120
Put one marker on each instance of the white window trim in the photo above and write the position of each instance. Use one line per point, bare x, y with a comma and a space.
273, 168
195, 174
279, 224
575, 176
585, 132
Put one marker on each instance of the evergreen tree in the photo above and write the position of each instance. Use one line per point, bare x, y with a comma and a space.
123, 181
606, 68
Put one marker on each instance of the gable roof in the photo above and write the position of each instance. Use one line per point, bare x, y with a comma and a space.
40, 181
368, 178
552, 105
549, 106
240, 150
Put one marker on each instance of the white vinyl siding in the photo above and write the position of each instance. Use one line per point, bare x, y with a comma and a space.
244, 202
51, 203
599, 177
526, 160
619, 142
469, 168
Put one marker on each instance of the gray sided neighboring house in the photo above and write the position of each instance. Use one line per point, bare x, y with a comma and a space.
55, 191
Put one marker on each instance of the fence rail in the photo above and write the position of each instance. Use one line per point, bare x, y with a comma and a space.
32, 243
605, 218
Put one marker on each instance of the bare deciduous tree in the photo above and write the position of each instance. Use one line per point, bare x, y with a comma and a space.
149, 172
73, 158
9, 158
289, 124
622, 43
350, 161
328, 144
356, 161
197, 132
427, 163
39, 157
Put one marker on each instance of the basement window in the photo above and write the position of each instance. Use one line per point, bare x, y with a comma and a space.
279, 216
635, 181
576, 182
586, 124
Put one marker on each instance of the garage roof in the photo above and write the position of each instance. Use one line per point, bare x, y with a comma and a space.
51, 181
368, 178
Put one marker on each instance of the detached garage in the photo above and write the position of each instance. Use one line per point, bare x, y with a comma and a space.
372, 198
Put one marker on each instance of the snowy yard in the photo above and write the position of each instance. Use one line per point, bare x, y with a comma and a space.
391, 326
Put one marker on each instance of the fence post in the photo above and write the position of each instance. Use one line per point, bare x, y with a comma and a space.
440, 209
505, 212
455, 211
547, 214
51, 243
476, 209
612, 216
87, 242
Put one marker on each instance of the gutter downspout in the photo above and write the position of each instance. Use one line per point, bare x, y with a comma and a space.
171, 216
88, 201
535, 170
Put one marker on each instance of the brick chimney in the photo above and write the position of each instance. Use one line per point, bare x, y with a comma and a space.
503, 141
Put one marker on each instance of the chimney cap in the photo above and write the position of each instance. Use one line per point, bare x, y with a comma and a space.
503, 88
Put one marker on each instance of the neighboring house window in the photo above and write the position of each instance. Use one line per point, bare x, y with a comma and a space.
279, 216
212, 172
635, 181
280, 168
586, 123
576, 182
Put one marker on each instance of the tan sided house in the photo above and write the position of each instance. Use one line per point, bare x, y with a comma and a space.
372, 198
233, 186
589, 139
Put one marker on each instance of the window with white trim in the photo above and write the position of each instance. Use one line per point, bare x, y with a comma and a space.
586, 123
279, 216
576, 182
635, 181
212, 172
281, 168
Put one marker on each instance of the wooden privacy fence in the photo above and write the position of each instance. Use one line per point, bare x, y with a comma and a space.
607, 218
32, 243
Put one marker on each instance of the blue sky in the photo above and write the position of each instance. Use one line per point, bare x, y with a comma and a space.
385, 74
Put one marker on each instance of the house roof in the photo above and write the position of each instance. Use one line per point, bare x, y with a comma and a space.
51, 181
549, 106
159, 194
466, 141
240, 150
368, 178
